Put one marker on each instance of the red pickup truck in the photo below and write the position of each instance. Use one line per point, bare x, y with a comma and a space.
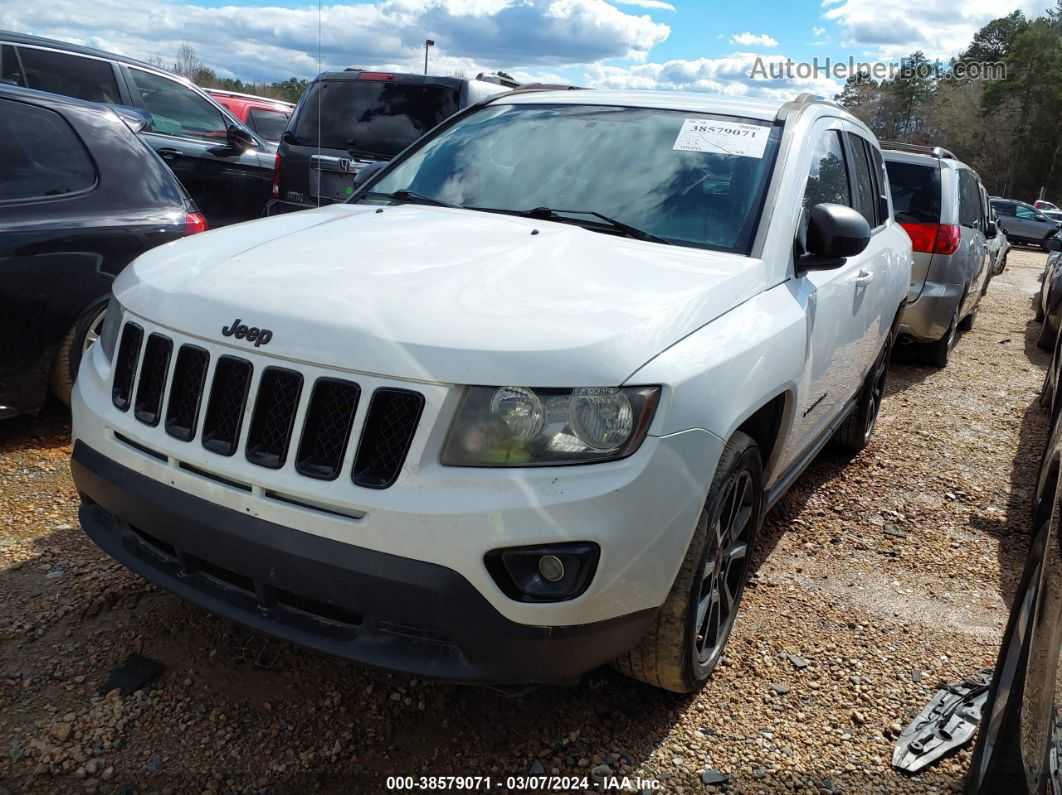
267, 117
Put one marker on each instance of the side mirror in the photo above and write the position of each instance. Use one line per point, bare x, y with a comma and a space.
991, 229
238, 138
835, 232
1053, 244
365, 173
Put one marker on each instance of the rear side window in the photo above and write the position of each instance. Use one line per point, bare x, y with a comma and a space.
1002, 208
69, 75
865, 194
969, 200
915, 192
10, 70
177, 110
371, 117
269, 124
43, 157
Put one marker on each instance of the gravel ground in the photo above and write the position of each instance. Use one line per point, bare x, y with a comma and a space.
875, 579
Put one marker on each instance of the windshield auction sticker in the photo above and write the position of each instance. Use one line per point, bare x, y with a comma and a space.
722, 137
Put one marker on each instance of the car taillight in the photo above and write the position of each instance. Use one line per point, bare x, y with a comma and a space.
194, 223
276, 177
375, 76
933, 238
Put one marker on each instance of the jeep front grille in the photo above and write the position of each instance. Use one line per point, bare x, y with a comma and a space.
321, 438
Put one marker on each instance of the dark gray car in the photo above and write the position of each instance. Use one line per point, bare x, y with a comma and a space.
939, 201
1023, 223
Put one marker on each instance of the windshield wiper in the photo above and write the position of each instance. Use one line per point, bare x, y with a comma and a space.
412, 197
551, 214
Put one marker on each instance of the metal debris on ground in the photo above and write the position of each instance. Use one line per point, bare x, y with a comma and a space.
948, 722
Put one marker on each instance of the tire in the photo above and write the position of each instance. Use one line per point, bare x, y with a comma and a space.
1048, 335
68, 359
855, 432
1040, 307
1011, 750
675, 653
936, 354
967, 322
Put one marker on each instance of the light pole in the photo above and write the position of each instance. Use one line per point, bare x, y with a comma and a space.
427, 43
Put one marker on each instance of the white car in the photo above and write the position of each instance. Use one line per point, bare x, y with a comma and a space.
518, 408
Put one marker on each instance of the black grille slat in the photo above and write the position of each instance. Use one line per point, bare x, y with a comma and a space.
326, 428
389, 429
186, 392
274, 417
228, 398
156, 365
125, 366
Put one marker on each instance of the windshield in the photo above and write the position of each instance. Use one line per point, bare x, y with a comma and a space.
371, 116
915, 192
690, 178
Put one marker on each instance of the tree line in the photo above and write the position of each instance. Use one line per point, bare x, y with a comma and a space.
1008, 128
188, 64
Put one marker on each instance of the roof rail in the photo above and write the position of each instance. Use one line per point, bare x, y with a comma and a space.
938, 152
801, 103
498, 80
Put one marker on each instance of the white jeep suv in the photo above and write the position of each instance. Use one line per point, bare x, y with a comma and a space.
519, 407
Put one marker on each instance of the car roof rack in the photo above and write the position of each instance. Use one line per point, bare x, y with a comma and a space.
802, 103
938, 152
498, 80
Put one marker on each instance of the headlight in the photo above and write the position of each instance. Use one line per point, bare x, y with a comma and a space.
515, 426
112, 321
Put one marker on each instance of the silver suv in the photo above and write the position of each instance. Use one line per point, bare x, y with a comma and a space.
940, 202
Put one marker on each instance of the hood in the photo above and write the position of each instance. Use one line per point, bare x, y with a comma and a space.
439, 294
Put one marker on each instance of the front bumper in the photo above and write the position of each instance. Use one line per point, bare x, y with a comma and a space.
374, 608
927, 318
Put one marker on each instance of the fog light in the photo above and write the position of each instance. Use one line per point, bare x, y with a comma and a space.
550, 567
549, 573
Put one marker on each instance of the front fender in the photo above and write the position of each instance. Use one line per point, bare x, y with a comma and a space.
722, 373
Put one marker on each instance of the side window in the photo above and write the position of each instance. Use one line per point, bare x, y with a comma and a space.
969, 200
882, 179
269, 124
828, 177
866, 201
1022, 211
177, 110
1003, 210
10, 70
69, 75
43, 157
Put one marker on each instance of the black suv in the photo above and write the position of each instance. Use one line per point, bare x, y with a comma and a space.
80, 197
363, 117
227, 168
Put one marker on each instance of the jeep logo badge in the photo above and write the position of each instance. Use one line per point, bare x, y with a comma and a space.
259, 336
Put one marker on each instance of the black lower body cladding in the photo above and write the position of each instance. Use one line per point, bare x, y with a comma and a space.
374, 608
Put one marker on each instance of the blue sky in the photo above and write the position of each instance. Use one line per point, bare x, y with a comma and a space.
702, 45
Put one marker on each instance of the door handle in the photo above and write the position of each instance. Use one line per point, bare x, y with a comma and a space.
864, 276
168, 153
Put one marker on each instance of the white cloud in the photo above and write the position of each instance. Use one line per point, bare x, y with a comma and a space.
753, 40
889, 29
657, 5
728, 75
268, 43
819, 32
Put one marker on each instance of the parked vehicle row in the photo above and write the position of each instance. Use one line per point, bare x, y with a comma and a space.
80, 196
1023, 223
226, 167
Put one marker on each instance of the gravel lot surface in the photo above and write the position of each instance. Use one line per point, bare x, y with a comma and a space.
876, 578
